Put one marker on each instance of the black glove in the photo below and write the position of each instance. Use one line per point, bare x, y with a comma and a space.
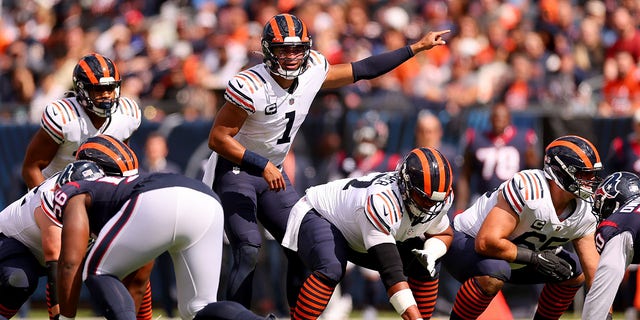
546, 262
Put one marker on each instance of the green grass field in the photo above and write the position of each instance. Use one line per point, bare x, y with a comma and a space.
382, 315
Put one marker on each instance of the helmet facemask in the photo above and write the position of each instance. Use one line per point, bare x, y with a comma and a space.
295, 53
96, 82
103, 107
582, 182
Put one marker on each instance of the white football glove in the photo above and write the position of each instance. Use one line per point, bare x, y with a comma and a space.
426, 260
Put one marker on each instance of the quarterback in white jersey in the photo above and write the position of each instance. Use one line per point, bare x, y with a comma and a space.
380, 221
96, 108
253, 132
515, 233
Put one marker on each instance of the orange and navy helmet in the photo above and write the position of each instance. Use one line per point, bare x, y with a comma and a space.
286, 31
95, 72
111, 154
572, 162
425, 183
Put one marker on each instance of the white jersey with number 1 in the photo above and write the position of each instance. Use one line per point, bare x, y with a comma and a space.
275, 114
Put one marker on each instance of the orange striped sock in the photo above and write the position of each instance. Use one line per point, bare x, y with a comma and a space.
470, 301
313, 297
146, 311
425, 292
554, 300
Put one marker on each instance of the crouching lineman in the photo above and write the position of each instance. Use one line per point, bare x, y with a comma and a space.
617, 201
378, 221
30, 242
136, 219
515, 233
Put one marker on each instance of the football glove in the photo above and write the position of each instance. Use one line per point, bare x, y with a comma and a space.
546, 262
426, 260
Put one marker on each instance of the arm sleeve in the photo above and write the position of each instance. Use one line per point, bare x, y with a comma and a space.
375, 66
388, 258
614, 260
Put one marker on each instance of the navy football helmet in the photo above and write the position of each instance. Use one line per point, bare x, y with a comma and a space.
285, 35
95, 73
112, 155
425, 183
616, 190
79, 170
572, 163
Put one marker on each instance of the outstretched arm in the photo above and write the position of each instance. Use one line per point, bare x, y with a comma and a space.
343, 74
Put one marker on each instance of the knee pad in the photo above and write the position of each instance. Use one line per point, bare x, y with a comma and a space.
15, 286
333, 271
247, 255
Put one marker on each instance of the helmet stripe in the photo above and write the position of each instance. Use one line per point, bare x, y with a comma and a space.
305, 34
443, 185
105, 150
129, 157
424, 162
290, 25
576, 149
103, 65
277, 35
592, 148
87, 70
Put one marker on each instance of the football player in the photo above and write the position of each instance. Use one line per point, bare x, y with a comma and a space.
31, 243
616, 204
95, 107
515, 233
159, 207
495, 155
381, 221
253, 131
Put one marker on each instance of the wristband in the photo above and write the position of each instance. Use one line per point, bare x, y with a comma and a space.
402, 300
253, 163
524, 255
435, 248
52, 271
61, 317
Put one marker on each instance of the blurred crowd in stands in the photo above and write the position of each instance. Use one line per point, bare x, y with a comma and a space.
568, 56
559, 57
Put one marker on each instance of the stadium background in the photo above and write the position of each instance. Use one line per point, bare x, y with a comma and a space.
156, 44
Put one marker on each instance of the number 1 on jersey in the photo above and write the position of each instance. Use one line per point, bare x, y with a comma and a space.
287, 130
